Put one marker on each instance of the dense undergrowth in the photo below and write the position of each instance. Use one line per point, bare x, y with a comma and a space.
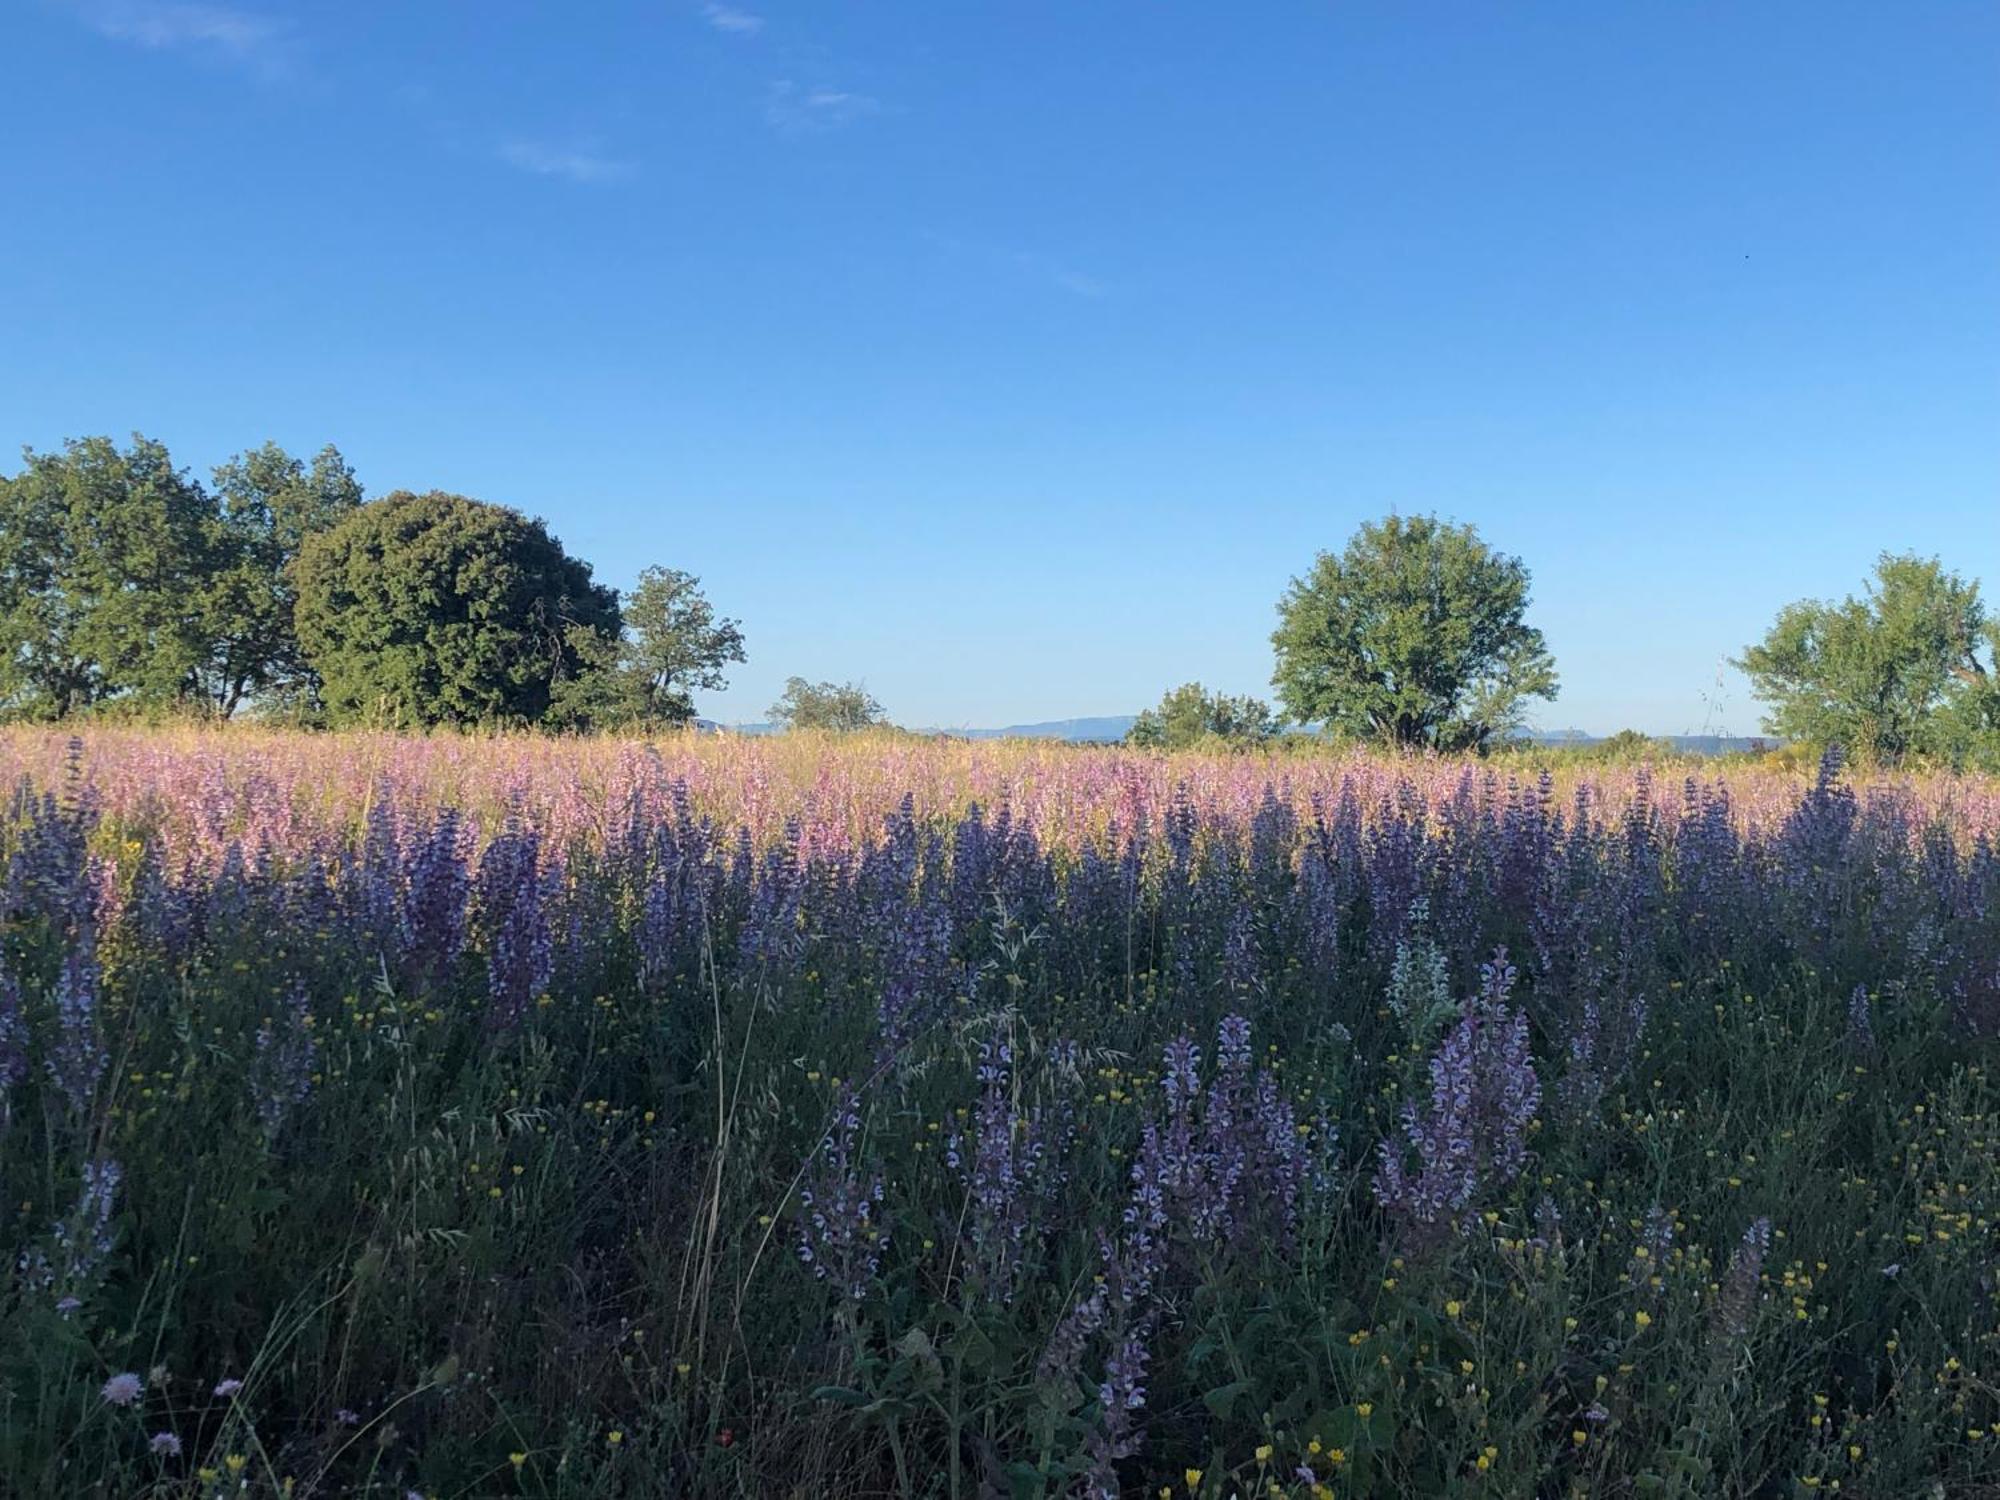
610, 1122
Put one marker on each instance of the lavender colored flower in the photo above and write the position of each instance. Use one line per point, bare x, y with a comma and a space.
1120, 1395
281, 1074
436, 889
840, 1237
226, 1388
1601, 1047
81, 1240
1242, 963
1548, 1226
1737, 1302
13, 1040
1006, 1162
514, 890
164, 1445
124, 1390
1860, 1023
78, 1060
771, 934
1062, 1357
1471, 1135
1219, 1160
378, 876
1180, 1079
917, 976
49, 875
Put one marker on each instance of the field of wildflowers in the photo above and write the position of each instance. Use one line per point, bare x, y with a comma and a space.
467, 1117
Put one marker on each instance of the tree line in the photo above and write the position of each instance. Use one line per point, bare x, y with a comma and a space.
129, 586
1415, 635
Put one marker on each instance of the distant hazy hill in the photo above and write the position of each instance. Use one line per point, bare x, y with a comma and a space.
1102, 730
1692, 744
1108, 729
1105, 730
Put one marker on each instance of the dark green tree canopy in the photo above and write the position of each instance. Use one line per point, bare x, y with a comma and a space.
1909, 668
123, 580
1415, 634
836, 706
1191, 715
437, 609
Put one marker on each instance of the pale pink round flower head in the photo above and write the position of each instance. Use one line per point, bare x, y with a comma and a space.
124, 1390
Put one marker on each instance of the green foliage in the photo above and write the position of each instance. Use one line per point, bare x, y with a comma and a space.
672, 644
123, 582
1191, 715
1413, 635
271, 502
839, 707
1896, 673
100, 551
437, 609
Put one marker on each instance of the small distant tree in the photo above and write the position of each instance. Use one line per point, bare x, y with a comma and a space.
1909, 668
672, 645
1192, 715
437, 609
1415, 635
839, 707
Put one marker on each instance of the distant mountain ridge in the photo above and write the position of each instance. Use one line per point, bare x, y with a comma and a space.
1692, 744
1102, 730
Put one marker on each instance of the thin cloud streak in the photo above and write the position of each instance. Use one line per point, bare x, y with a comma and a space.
543, 160
791, 108
243, 39
728, 18
1063, 277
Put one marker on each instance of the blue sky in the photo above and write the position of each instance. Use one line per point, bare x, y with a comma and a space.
1011, 357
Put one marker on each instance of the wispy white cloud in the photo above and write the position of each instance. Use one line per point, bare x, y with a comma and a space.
728, 18
791, 107
1056, 273
545, 160
1076, 283
260, 44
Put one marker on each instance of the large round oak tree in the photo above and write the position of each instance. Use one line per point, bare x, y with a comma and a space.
1414, 635
437, 609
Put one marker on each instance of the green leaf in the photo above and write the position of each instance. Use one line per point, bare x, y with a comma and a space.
839, 1395
1223, 1397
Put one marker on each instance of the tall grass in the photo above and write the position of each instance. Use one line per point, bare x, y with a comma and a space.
486, 1117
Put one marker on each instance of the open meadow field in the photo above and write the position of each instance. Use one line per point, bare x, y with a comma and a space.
461, 1117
